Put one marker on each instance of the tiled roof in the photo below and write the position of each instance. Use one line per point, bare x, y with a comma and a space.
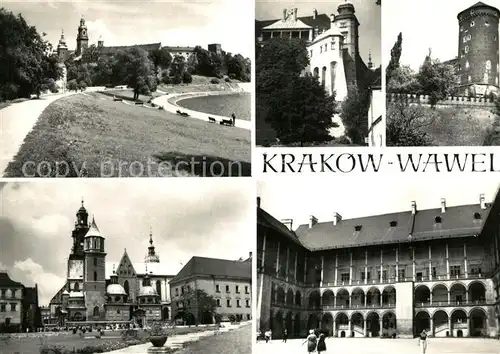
267, 220
287, 24
158, 269
333, 31
455, 222
214, 267
321, 21
114, 49
5, 281
179, 49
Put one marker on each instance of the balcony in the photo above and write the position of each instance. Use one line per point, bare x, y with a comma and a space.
451, 303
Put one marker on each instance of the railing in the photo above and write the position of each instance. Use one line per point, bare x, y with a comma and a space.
441, 327
451, 303
358, 329
358, 306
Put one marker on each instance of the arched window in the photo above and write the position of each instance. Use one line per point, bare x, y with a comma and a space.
96, 311
95, 276
125, 286
158, 288
76, 287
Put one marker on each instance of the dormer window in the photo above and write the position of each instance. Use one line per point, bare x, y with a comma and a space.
477, 216
393, 223
357, 228
438, 219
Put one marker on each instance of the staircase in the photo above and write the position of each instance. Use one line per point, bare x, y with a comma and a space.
358, 331
440, 331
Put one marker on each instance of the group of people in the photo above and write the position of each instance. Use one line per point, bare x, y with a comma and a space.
315, 343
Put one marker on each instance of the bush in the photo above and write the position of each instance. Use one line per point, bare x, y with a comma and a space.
176, 80
215, 81
187, 78
82, 85
227, 79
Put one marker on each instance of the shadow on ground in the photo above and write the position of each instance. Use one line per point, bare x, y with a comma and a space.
204, 165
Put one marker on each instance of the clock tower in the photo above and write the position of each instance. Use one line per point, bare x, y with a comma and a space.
82, 39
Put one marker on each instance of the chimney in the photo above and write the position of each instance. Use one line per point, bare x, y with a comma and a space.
316, 31
443, 205
295, 14
258, 202
413, 207
315, 14
284, 14
332, 17
312, 221
336, 218
250, 254
288, 223
482, 202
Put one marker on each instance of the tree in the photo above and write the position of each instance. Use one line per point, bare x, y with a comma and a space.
72, 85
200, 302
406, 125
187, 78
205, 66
237, 66
395, 57
161, 58
403, 80
436, 79
26, 59
133, 67
191, 64
177, 68
297, 107
354, 115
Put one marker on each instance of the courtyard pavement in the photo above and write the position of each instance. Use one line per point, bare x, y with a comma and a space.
385, 346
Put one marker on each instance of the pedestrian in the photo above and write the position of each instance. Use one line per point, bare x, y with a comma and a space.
234, 118
422, 340
285, 335
311, 341
321, 343
267, 335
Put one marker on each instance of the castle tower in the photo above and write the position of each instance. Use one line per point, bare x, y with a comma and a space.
152, 257
82, 39
80, 230
94, 273
62, 48
478, 49
348, 25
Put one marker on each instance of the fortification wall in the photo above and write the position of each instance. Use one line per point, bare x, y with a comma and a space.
450, 101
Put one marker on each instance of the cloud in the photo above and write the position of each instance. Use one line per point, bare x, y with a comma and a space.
97, 29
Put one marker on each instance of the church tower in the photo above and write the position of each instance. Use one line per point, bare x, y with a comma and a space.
348, 25
152, 257
62, 48
79, 232
478, 49
94, 273
82, 39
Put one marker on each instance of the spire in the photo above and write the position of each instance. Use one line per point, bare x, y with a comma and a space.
370, 63
152, 257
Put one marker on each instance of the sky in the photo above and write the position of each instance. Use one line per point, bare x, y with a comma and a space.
188, 217
367, 12
424, 24
171, 22
357, 196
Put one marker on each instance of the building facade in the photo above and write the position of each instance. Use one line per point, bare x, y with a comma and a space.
19, 309
478, 49
97, 291
228, 282
383, 275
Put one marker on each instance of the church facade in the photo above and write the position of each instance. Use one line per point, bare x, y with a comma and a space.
100, 292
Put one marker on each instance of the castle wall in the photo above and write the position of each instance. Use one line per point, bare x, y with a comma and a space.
118, 312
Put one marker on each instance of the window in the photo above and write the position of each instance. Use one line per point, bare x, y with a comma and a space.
237, 289
472, 24
357, 228
227, 289
438, 219
118, 311
368, 276
247, 303
176, 291
13, 306
95, 262
218, 302
333, 45
401, 274
326, 47
238, 303
95, 276
469, 79
13, 293
4, 293
344, 277
321, 49
96, 311
2, 308
246, 289
467, 64
455, 271
248, 317
434, 272
182, 290
466, 49
217, 288
393, 223
475, 270
228, 302
311, 53
477, 216
344, 34
189, 303
76, 287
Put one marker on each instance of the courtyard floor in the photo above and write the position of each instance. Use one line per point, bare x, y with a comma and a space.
384, 346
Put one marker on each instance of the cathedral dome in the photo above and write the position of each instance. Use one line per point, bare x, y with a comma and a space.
147, 291
115, 289
152, 258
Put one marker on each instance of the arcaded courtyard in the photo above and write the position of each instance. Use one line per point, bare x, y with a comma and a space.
384, 346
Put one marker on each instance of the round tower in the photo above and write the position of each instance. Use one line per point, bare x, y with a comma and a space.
478, 49
94, 273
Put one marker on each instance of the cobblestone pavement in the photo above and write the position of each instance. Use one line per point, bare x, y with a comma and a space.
237, 341
384, 346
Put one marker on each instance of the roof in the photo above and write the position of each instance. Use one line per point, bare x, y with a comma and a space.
115, 289
179, 49
456, 221
147, 47
93, 230
5, 281
202, 266
31, 295
321, 21
477, 5
154, 269
333, 31
287, 24
267, 220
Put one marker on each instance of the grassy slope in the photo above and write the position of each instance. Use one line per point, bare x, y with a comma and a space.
457, 126
86, 130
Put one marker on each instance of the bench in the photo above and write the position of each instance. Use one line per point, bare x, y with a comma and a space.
212, 120
227, 122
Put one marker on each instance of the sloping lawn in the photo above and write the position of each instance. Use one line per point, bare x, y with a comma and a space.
93, 136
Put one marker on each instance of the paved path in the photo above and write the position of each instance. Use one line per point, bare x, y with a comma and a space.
16, 121
385, 346
169, 103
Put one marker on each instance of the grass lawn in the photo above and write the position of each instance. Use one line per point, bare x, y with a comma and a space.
97, 137
8, 103
129, 95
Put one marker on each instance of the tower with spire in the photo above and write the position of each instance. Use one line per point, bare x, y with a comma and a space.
62, 48
82, 39
80, 230
370, 63
151, 257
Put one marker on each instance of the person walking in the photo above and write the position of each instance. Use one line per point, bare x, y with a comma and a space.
233, 116
285, 335
311, 341
321, 343
422, 340
267, 335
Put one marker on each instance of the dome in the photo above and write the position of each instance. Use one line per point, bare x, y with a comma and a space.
152, 258
147, 291
115, 289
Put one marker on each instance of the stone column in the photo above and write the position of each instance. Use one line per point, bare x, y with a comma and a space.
349, 328
366, 297
380, 331
322, 269
334, 328
334, 300
381, 266
465, 261
413, 262
305, 268
430, 263
278, 259
287, 262
350, 268
430, 297
364, 327
263, 260
295, 268
449, 297
397, 265
366, 266
336, 266
449, 324
447, 264
431, 322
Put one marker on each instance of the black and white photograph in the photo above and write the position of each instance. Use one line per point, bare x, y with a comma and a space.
126, 88
164, 268
414, 261
318, 73
442, 72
